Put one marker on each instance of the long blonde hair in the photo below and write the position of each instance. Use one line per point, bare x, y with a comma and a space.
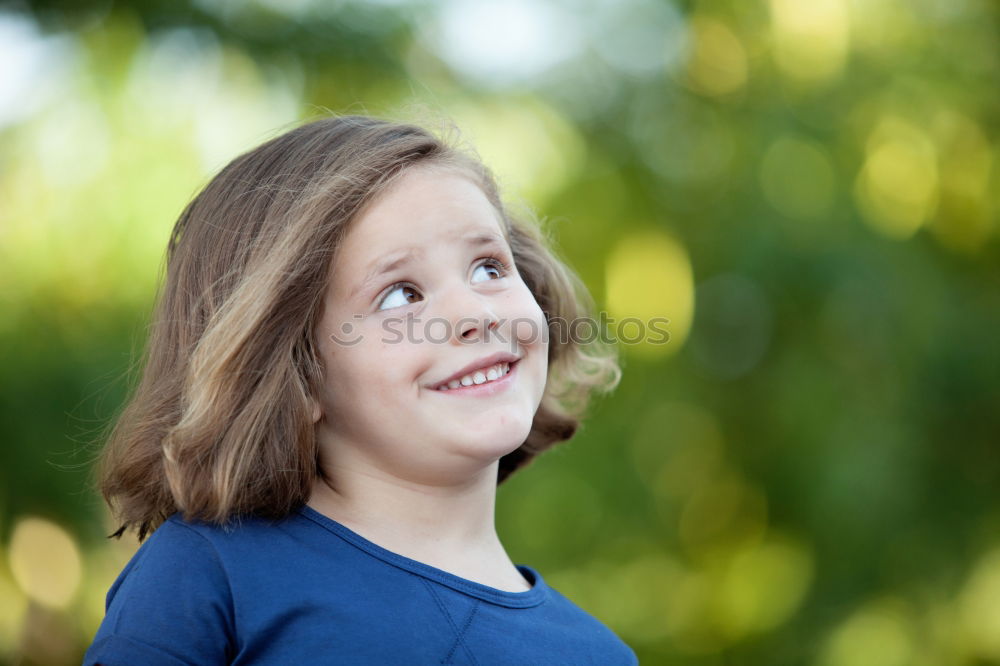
220, 423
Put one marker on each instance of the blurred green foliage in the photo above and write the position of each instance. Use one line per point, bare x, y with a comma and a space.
806, 473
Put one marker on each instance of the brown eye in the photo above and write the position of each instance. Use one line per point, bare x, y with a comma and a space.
493, 269
399, 295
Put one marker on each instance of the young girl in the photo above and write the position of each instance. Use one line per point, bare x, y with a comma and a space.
350, 352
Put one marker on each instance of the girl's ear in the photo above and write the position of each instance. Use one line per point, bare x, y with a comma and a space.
317, 411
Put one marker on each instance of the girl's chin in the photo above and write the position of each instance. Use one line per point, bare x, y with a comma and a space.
464, 461
487, 450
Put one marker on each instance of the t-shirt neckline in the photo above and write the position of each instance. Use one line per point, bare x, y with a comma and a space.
526, 599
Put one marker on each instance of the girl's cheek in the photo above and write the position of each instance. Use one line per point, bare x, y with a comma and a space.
529, 323
531, 308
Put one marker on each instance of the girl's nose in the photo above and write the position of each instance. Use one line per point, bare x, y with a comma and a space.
471, 315
468, 328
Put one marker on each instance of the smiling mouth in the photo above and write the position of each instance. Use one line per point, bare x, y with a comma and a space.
485, 375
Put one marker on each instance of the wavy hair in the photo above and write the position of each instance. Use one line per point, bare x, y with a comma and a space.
219, 424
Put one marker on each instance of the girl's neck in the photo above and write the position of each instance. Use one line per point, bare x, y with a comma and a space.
450, 527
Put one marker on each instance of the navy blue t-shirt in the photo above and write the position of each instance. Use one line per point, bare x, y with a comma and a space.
307, 590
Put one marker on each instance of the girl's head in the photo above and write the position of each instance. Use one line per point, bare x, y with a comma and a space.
423, 294
319, 291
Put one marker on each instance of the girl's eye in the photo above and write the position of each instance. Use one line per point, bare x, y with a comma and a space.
403, 293
492, 269
399, 294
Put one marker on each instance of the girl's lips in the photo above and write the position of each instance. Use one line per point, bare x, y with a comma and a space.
479, 364
486, 388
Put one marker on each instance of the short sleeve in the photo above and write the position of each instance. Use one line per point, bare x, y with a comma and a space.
171, 605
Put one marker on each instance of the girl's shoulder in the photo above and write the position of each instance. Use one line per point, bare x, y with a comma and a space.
204, 557
189, 577
236, 530
246, 542
175, 582
195, 542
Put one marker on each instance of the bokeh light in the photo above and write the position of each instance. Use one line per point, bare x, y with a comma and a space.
979, 608
533, 150
45, 561
717, 63
764, 584
811, 39
506, 42
13, 610
897, 188
966, 216
878, 633
649, 277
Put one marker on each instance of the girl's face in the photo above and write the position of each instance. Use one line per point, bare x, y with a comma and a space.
424, 293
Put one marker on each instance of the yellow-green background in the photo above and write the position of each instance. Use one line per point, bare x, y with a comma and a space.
808, 473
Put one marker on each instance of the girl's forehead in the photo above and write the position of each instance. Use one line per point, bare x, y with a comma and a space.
426, 216
424, 207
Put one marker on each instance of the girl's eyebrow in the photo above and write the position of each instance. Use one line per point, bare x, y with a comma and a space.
401, 258
388, 264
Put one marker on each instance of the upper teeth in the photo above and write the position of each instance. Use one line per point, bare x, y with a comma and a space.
480, 376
